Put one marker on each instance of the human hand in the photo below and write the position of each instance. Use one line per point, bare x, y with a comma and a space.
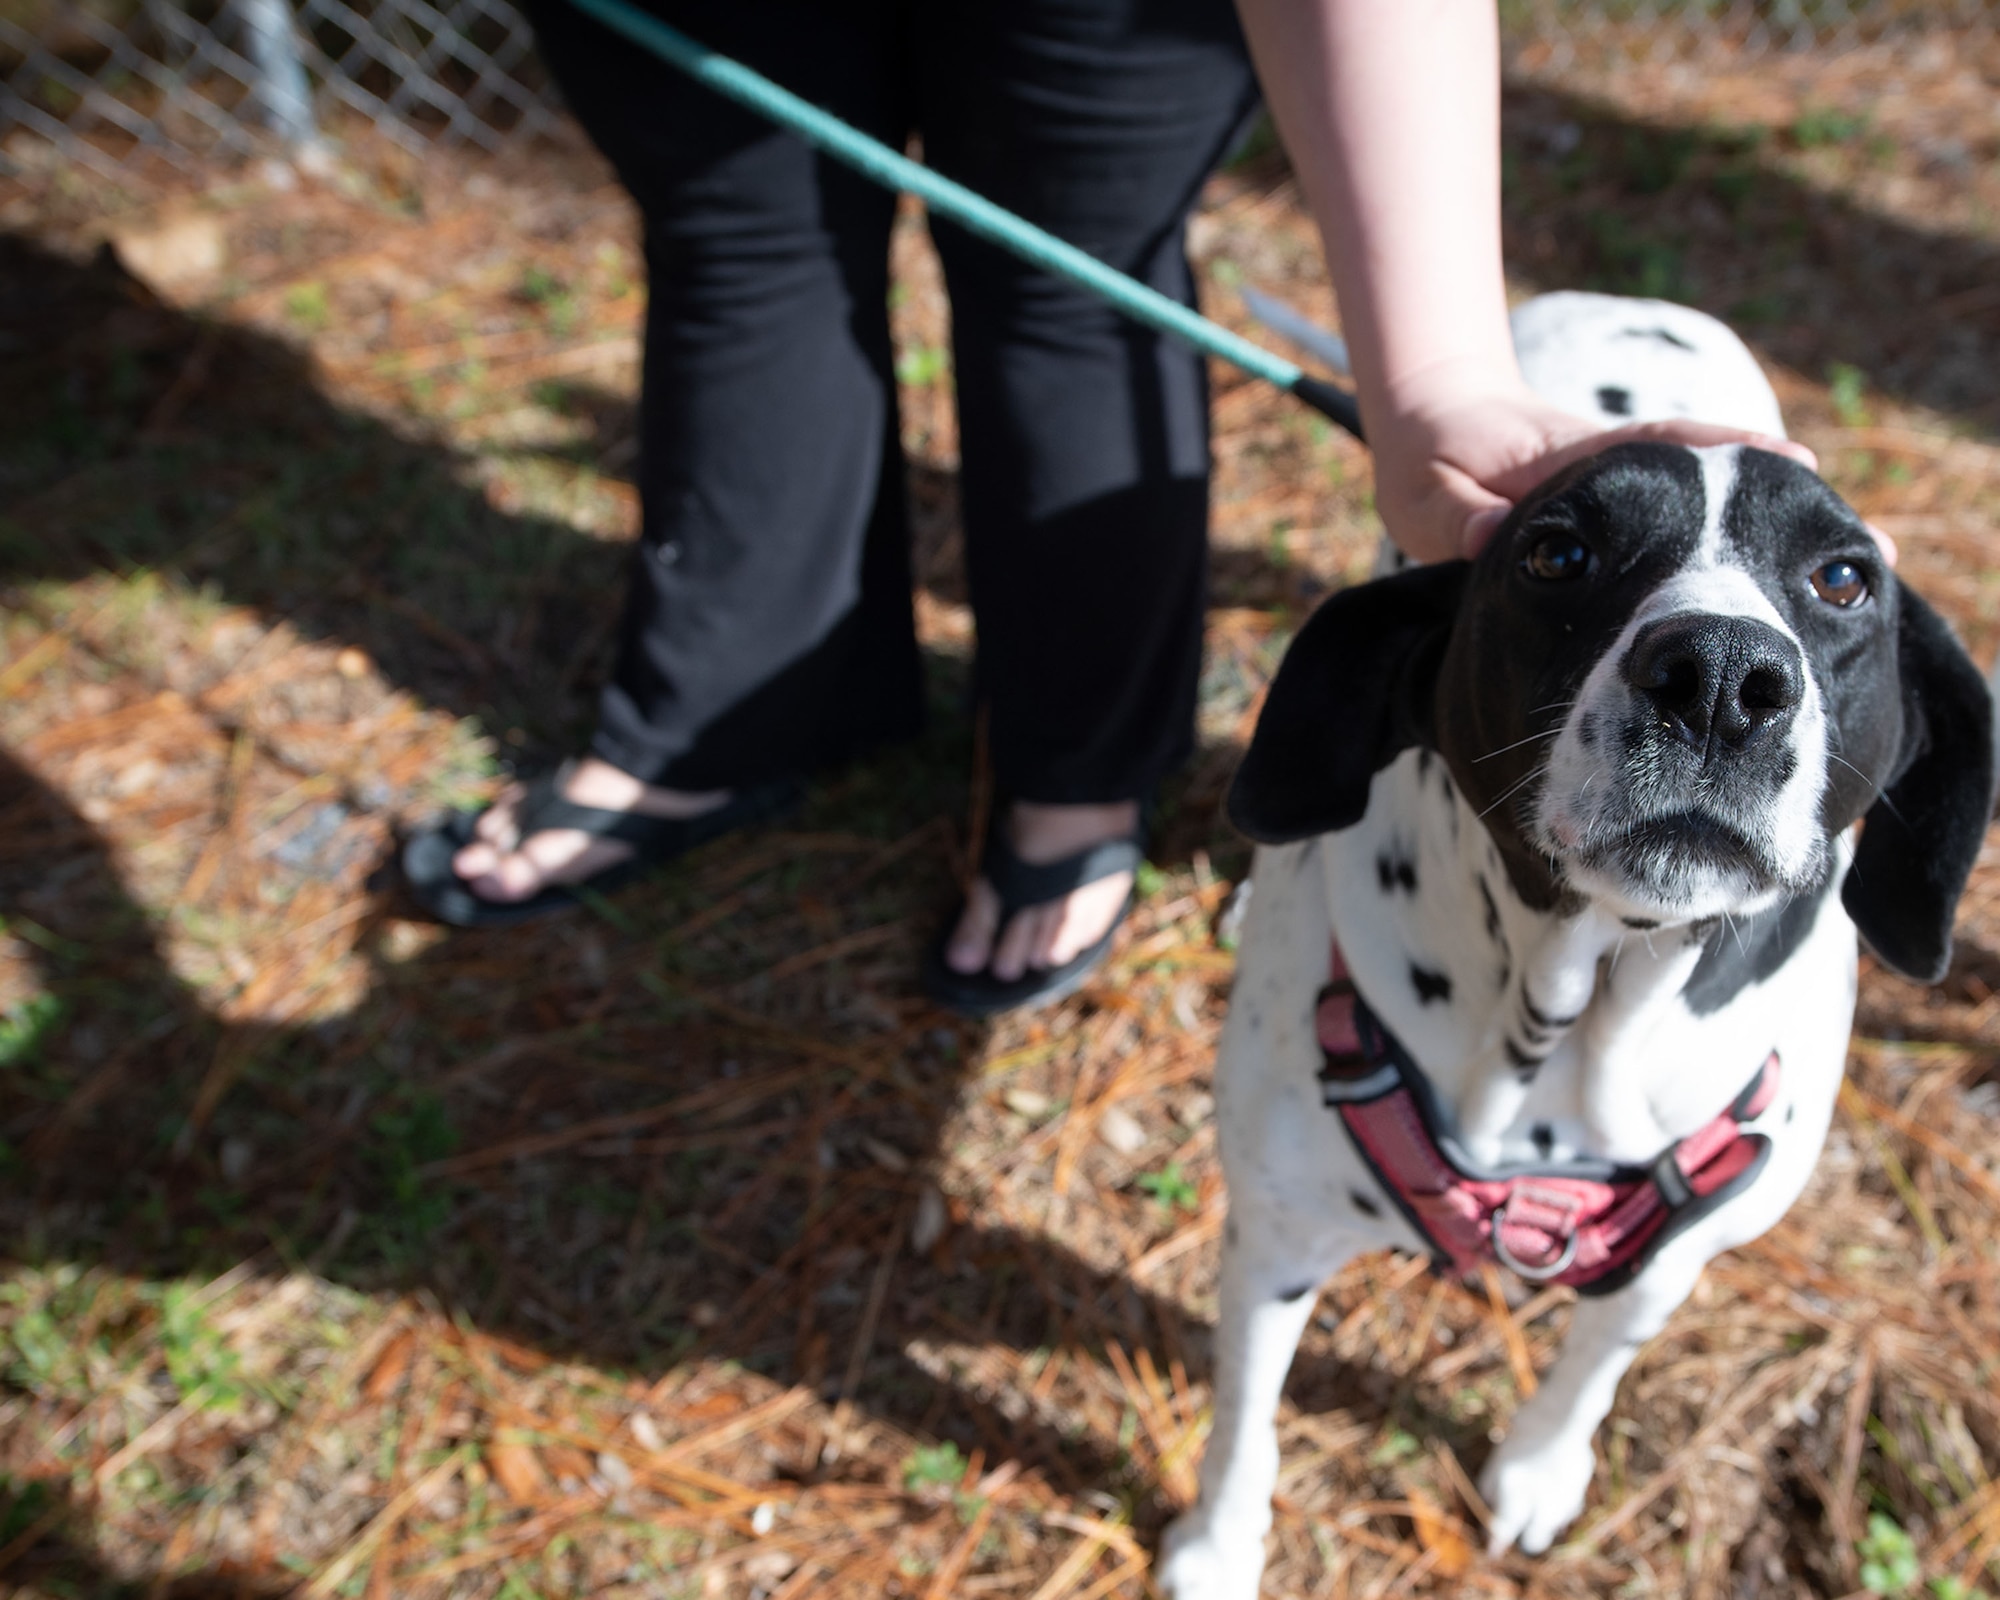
1453, 455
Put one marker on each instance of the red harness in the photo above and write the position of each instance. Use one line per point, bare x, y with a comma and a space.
1590, 1225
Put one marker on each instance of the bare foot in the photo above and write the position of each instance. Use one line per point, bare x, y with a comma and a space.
502, 866
1045, 936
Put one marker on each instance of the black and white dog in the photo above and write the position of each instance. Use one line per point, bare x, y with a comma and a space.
1551, 956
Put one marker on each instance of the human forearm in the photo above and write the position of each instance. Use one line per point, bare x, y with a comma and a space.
1390, 111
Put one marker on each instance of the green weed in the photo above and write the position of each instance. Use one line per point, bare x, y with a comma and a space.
918, 366
1171, 1187
933, 1466
1655, 162
1820, 126
1888, 1557
1400, 1445
25, 1026
410, 1137
1634, 264
198, 1359
306, 304
1847, 388
25, 1504
541, 288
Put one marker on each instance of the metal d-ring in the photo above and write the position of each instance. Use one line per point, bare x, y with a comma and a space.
1506, 1257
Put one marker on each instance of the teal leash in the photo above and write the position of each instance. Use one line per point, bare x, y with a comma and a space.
973, 212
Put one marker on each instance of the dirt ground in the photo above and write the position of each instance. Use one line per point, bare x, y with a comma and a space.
680, 1249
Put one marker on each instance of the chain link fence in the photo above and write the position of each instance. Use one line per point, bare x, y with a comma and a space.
116, 83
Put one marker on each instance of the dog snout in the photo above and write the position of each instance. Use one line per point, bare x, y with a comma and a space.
1717, 681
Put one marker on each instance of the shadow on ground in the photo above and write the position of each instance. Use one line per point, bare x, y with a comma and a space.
146, 1135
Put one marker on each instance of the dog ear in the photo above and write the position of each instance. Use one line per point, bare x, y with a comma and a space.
1920, 838
1353, 691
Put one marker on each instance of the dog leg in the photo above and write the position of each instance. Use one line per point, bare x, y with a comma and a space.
1550, 994
1536, 1481
1269, 1289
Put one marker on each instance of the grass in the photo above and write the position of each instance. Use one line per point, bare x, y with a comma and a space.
679, 1248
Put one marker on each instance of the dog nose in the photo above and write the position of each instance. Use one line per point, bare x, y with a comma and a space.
1727, 679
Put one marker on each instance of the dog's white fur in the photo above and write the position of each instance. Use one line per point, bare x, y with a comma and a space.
1637, 1071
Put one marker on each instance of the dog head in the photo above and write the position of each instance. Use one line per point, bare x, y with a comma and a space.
1668, 685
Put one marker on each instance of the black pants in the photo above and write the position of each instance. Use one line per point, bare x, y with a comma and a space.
769, 627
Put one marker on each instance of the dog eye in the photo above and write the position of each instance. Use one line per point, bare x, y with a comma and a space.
1558, 558
1840, 583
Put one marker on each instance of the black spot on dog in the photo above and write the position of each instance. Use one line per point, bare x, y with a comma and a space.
1749, 950
1542, 1020
1394, 870
1640, 924
1493, 931
1544, 1137
1523, 1063
1791, 1111
1664, 335
1614, 401
1289, 1295
1430, 985
1364, 1205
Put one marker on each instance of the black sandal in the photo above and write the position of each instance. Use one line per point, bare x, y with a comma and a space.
1021, 884
427, 854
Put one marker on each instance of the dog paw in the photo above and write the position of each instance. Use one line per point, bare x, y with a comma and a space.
1195, 1565
1534, 1495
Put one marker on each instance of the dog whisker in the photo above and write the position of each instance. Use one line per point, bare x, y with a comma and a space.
1882, 799
1548, 734
1513, 788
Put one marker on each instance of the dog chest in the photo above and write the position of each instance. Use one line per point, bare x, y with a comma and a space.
1461, 972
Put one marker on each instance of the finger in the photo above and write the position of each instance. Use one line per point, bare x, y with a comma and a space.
1482, 526
1468, 510
1883, 542
1439, 524
1516, 481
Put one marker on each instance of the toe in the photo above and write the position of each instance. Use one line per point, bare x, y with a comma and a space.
1083, 918
1023, 936
514, 877
475, 860
971, 942
495, 825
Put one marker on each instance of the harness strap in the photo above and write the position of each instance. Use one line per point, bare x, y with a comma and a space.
1586, 1225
